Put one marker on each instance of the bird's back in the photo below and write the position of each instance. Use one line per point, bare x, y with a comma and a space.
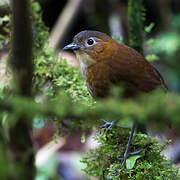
126, 67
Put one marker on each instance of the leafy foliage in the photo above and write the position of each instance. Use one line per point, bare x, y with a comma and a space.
105, 162
135, 17
5, 34
50, 75
166, 45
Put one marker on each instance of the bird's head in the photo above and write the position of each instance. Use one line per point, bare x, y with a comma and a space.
92, 46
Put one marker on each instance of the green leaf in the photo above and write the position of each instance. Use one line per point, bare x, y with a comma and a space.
130, 162
118, 39
36, 7
152, 57
149, 28
83, 138
4, 19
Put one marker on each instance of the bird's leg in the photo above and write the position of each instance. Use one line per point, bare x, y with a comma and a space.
136, 153
128, 145
108, 125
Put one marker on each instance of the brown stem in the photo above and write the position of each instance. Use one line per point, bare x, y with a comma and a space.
20, 143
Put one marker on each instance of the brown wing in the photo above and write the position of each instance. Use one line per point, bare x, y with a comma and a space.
164, 85
131, 69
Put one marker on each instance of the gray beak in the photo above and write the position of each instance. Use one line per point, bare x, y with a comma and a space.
72, 46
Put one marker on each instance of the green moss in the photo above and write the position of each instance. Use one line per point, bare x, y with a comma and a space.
135, 17
50, 75
105, 161
5, 28
66, 97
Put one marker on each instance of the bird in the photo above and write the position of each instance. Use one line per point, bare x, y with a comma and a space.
105, 63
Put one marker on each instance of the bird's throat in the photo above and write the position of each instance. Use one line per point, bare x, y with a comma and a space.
85, 61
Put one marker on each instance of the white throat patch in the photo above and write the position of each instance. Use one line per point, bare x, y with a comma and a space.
85, 61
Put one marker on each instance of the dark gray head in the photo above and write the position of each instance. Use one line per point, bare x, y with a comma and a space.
92, 46
85, 40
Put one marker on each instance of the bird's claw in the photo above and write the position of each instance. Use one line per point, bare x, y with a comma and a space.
123, 164
107, 125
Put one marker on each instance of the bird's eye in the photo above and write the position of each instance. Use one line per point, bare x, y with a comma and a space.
90, 41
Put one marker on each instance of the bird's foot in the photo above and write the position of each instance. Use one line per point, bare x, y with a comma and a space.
108, 125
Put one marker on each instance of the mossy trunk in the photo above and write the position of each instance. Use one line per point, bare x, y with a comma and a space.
135, 26
20, 144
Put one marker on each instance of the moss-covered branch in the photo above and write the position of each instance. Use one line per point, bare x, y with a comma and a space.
135, 27
164, 109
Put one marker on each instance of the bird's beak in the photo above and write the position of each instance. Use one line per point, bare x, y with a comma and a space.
72, 46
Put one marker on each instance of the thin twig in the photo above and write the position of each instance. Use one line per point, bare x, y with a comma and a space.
64, 21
